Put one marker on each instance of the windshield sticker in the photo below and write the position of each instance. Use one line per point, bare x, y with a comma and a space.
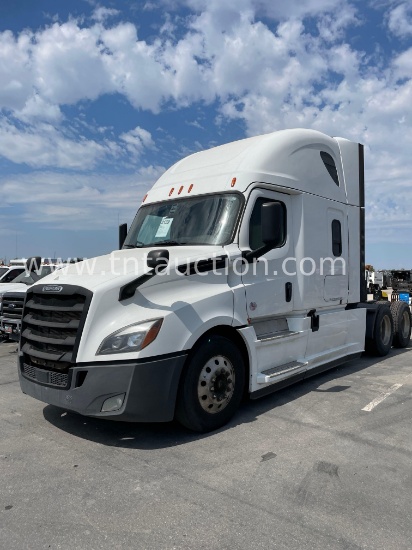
164, 227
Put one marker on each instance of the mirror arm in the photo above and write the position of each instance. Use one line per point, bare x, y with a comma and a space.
251, 255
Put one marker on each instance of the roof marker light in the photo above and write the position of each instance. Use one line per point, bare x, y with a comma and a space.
144, 198
180, 190
171, 191
190, 187
233, 182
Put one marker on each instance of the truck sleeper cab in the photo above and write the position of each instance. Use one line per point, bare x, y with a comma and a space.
242, 272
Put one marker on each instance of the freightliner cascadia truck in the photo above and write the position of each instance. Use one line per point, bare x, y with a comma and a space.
242, 272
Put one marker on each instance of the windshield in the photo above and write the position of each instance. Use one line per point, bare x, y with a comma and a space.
3, 270
29, 278
205, 220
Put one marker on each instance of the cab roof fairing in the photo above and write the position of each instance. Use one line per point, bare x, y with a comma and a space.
281, 158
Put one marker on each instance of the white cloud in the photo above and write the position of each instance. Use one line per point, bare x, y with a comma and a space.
400, 20
290, 9
332, 26
75, 201
44, 145
270, 74
101, 14
137, 140
403, 64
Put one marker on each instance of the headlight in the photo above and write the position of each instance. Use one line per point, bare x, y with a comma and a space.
132, 338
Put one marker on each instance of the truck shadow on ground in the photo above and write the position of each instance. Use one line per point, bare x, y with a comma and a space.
150, 436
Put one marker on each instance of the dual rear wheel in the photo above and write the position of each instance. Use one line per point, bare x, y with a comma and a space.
392, 328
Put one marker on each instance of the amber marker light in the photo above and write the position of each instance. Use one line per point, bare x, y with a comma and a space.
171, 191
233, 182
180, 190
190, 187
144, 198
153, 332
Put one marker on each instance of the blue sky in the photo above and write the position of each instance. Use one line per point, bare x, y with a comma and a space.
98, 99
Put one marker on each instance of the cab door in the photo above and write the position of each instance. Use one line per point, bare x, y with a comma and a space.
269, 289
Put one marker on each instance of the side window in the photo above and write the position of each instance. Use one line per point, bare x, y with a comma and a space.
330, 166
336, 238
12, 275
255, 223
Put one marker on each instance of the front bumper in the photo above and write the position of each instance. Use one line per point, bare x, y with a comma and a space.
10, 328
150, 388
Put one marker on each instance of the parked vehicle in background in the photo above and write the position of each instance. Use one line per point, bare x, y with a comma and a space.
374, 280
402, 280
12, 298
387, 279
9, 273
232, 279
11, 310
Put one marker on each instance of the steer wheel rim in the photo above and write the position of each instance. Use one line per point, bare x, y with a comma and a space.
216, 384
406, 324
385, 330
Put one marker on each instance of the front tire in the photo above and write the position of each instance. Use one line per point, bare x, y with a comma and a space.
212, 385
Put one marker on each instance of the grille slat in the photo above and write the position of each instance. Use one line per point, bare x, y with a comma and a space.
31, 304
33, 337
51, 355
12, 307
30, 319
51, 327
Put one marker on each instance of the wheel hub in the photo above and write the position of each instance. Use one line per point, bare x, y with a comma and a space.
216, 384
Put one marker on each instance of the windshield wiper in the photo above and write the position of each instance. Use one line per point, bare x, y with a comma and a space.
167, 242
138, 244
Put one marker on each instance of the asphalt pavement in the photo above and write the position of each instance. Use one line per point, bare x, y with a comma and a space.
324, 464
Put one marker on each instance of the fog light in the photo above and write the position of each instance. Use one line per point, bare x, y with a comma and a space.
113, 403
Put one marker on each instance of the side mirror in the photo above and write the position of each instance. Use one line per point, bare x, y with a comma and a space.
158, 258
33, 264
122, 234
273, 224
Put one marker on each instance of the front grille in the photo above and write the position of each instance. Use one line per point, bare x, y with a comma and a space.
50, 378
51, 327
12, 307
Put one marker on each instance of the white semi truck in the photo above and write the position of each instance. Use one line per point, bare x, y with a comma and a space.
242, 272
374, 280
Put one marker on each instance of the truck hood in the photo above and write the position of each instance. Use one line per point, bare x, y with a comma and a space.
13, 287
123, 266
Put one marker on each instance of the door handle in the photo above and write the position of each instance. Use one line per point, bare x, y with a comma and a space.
288, 292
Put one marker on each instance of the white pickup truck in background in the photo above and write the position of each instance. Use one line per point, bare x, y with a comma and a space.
12, 296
